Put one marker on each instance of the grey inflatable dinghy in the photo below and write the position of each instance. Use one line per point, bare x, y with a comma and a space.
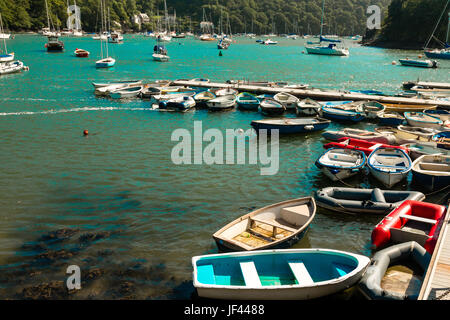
354, 200
397, 285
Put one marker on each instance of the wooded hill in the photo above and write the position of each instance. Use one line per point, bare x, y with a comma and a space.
342, 17
410, 23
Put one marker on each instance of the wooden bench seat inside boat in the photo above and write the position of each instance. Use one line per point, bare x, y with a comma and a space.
301, 273
250, 274
411, 231
343, 157
433, 166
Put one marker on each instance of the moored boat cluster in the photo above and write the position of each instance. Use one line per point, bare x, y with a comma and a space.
255, 260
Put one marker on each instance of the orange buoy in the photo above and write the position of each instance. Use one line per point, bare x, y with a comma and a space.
85, 132
420, 56
394, 63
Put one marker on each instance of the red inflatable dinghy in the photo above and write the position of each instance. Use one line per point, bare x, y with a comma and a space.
411, 221
362, 145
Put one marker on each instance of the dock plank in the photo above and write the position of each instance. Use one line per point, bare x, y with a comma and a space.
436, 284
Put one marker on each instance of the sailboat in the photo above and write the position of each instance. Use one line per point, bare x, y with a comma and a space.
5, 56
440, 53
53, 44
160, 52
331, 49
207, 29
104, 62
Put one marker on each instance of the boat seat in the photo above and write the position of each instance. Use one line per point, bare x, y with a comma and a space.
301, 273
274, 224
296, 216
408, 234
250, 274
377, 196
432, 166
419, 219
205, 274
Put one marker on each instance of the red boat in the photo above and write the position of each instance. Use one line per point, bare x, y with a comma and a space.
411, 221
81, 53
361, 145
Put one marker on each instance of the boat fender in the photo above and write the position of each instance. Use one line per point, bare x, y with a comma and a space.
335, 171
309, 127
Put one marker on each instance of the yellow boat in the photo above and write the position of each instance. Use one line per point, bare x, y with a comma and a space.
398, 107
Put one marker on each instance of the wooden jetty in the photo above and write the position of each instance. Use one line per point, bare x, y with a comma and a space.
317, 94
436, 284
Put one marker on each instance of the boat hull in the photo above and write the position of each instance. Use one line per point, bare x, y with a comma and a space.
286, 128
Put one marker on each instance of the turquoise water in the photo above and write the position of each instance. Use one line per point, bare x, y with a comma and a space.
131, 219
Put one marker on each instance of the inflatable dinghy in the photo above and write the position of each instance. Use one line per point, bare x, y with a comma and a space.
380, 284
354, 200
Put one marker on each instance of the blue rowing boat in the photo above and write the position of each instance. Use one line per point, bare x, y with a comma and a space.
338, 114
294, 274
291, 125
247, 101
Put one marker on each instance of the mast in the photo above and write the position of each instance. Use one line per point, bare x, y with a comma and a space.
321, 23
448, 30
101, 29
48, 17
1, 31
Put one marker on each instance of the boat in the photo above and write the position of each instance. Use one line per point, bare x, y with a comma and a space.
247, 101
359, 145
420, 119
330, 50
276, 226
287, 100
438, 54
54, 44
183, 104
160, 53
419, 63
202, 97
80, 53
414, 133
270, 107
127, 92
385, 280
418, 149
359, 134
269, 42
339, 164
402, 107
366, 201
169, 95
224, 91
106, 61
390, 118
411, 221
442, 139
432, 171
11, 67
283, 274
370, 109
115, 37
339, 114
389, 165
291, 125
444, 115
98, 85
308, 107
225, 102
